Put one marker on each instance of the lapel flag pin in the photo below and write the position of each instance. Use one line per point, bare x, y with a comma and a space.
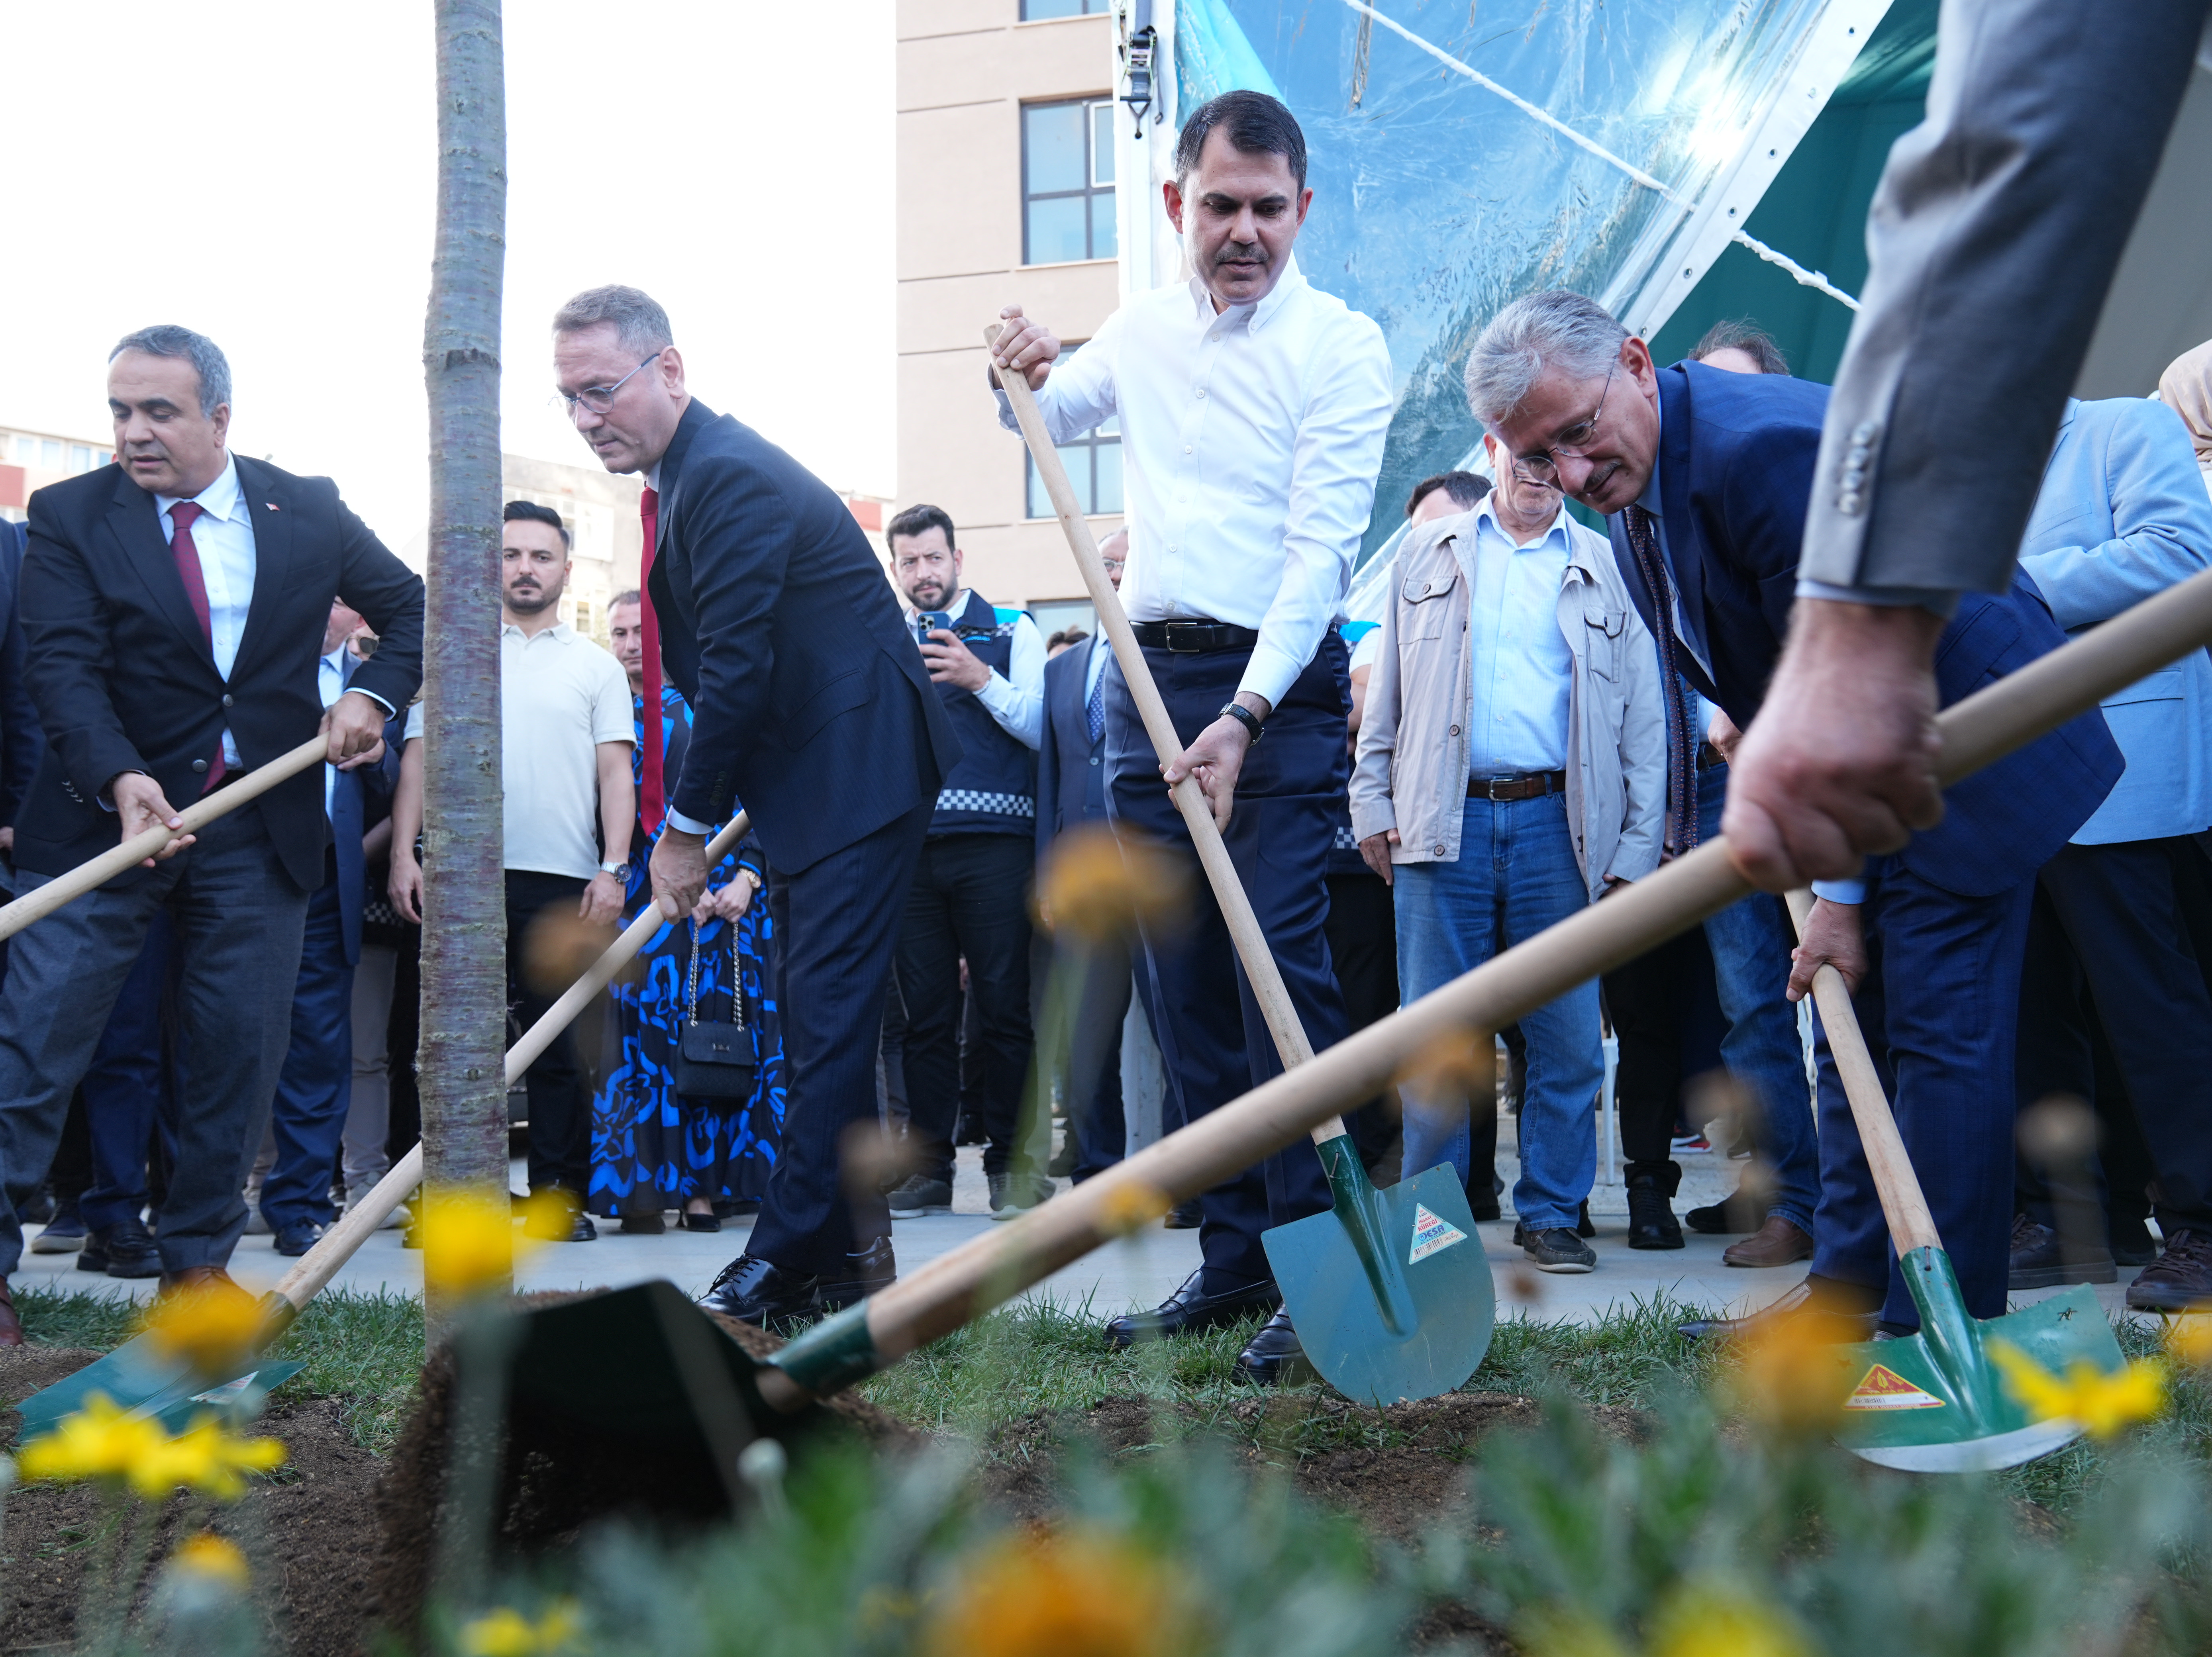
271, 505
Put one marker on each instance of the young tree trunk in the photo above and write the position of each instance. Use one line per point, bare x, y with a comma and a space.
463, 1085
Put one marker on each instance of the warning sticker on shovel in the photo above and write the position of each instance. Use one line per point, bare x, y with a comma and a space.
1885, 1389
1432, 1233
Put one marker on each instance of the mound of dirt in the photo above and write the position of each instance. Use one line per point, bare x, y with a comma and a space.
309, 1528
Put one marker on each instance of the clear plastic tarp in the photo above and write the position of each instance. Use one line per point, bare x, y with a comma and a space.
1436, 200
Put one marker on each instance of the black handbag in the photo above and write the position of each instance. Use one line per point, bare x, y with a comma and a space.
714, 1061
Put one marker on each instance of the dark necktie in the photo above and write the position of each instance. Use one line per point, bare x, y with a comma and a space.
653, 806
181, 519
1094, 711
1681, 742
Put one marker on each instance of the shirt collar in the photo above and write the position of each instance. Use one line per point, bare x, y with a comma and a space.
222, 499
1556, 530
335, 660
560, 630
1256, 315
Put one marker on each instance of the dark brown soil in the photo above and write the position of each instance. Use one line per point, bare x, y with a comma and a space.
309, 1531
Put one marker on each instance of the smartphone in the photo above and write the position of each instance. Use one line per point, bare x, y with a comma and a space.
927, 621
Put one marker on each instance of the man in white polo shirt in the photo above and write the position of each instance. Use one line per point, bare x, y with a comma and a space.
565, 736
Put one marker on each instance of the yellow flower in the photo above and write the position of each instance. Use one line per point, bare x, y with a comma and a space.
1790, 1379
2101, 1404
212, 1325
102, 1441
2189, 1340
1703, 1620
99, 1441
469, 1243
210, 1557
1130, 1204
1061, 1595
1098, 886
507, 1632
1458, 1065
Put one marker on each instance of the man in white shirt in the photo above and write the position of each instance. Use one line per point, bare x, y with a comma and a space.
1253, 409
971, 896
565, 737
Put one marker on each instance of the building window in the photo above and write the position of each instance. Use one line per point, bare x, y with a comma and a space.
1094, 467
1036, 10
1068, 181
81, 457
50, 453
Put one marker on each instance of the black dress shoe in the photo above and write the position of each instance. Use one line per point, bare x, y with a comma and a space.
1190, 1308
1724, 1218
2041, 1259
707, 1222
644, 1225
1830, 1311
296, 1240
755, 1290
874, 1268
1273, 1357
125, 1249
1184, 1217
1651, 1216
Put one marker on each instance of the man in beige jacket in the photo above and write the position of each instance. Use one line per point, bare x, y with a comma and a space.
1511, 768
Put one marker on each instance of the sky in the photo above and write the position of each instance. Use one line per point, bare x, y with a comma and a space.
266, 173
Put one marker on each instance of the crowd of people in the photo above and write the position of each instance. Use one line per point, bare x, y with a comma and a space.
1557, 697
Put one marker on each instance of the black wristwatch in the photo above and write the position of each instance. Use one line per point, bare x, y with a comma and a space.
1245, 717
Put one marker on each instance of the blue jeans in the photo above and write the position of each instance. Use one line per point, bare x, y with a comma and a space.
1751, 941
1515, 875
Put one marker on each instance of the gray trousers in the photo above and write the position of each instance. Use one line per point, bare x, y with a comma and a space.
368, 1118
239, 920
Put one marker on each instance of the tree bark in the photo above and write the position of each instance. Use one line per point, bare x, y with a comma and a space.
463, 1084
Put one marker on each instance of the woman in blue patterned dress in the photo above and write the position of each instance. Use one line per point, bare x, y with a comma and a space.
652, 1148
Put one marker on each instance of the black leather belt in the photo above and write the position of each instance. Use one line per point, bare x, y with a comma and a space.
1533, 786
1709, 757
1194, 638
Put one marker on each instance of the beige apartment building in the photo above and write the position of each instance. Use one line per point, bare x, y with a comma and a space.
1006, 194
31, 460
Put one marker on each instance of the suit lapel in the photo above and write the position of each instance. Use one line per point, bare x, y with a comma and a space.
136, 523
269, 508
1683, 552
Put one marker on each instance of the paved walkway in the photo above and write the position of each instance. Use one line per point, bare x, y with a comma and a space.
1139, 1271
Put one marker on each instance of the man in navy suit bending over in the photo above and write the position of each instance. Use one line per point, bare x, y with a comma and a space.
1706, 477
811, 710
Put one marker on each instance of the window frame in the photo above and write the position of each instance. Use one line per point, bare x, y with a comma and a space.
1091, 192
1086, 488
1084, 9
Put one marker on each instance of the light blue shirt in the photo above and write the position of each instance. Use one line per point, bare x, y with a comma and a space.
1518, 665
330, 684
224, 539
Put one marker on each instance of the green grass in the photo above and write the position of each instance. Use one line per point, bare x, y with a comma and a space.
365, 1350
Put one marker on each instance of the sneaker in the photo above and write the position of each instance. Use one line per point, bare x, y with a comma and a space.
125, 1249
1583, 1227
2038, 1262
2179, 1280
65, 1233
1695, 1145
1558, 1250
918, 1195
1012, 1194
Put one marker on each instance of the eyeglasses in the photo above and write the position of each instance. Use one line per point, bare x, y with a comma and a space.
600, 399
1542, 467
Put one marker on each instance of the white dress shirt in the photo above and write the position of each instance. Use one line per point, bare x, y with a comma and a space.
1518, 665
1014, 699
224, 539
1250, 441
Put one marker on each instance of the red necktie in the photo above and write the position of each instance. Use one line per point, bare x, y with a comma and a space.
182, 516
651, 808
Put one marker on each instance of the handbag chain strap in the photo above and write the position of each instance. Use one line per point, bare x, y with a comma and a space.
737, 980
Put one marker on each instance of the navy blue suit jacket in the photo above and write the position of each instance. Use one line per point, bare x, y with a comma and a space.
356, 800
22, 739
1736, 457
810, 703
1071, 767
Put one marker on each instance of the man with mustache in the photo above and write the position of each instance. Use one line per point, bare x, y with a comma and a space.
1253, 408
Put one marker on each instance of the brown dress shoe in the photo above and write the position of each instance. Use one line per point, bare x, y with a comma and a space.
1776, 1243
11, 1326
1825, 1309
198, 1277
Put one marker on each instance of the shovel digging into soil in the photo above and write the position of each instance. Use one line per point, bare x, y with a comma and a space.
1934, 1402
1387, 1306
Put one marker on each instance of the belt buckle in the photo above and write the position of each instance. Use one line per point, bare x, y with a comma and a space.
1490, 789
1171, 630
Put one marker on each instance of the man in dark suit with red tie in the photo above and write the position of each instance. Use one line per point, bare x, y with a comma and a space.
173, 605
811, 710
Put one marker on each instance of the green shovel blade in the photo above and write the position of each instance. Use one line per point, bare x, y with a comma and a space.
1934, 1402
1390, 1290
137, 1378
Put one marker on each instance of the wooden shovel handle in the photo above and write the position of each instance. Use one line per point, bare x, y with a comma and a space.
1911, 1225
251, 785
957, 1286
1259, 962
364, 1215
